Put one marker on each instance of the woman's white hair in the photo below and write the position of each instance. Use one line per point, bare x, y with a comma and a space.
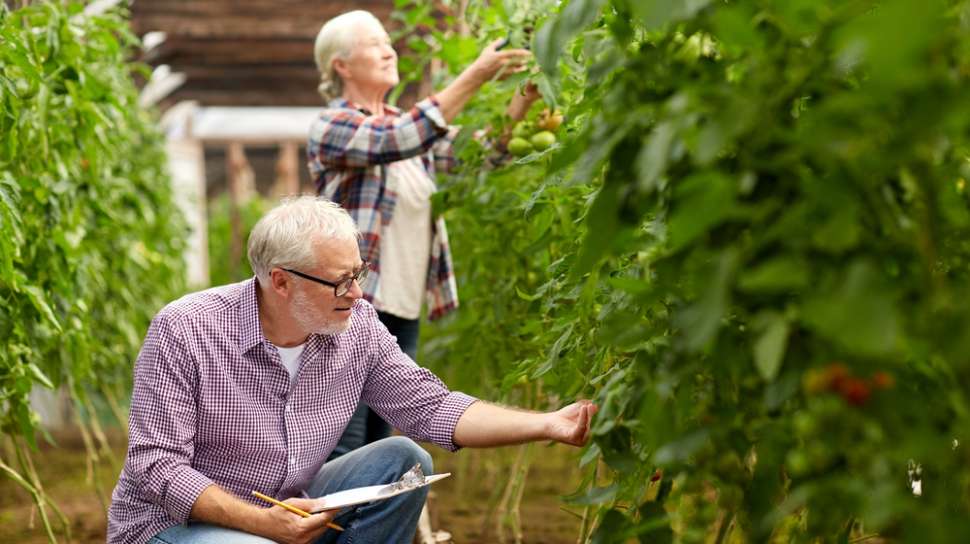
335, 40
286, 235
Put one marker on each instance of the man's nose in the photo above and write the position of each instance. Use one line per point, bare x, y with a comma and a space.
356, 291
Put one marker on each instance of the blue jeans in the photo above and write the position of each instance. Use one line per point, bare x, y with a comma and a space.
365, 426
393, 520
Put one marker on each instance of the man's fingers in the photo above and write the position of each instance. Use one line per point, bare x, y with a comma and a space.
587, 428
303, 504
319, 520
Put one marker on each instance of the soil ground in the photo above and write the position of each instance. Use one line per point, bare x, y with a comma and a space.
463, 505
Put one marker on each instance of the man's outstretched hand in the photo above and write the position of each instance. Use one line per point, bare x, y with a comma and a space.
571, 425
485, 425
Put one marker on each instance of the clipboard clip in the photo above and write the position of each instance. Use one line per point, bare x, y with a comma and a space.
412, 479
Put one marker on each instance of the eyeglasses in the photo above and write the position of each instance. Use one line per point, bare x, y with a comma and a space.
339, 289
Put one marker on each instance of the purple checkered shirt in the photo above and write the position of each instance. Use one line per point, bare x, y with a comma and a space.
212, 404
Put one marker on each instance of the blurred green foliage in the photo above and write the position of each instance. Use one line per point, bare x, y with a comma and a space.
221, 268
90, 238
750, 246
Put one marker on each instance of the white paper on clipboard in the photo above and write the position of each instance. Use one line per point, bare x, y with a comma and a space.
361, 495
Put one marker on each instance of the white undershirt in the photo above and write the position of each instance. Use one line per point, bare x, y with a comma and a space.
291, 360
406, 241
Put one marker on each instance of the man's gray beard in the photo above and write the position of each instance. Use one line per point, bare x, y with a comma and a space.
303, 311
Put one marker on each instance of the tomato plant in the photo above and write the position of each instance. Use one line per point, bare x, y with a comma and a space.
90, 238
750, 245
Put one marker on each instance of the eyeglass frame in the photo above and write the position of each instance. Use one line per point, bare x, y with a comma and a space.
359, 277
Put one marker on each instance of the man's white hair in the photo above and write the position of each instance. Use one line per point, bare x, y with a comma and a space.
335, 40
286, 235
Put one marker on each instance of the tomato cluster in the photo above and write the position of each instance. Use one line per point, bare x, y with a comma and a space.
537, 135
837, 378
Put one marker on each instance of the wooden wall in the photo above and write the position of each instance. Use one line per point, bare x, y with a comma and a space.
243, 52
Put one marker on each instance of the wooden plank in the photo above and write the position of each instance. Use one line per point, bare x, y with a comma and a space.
229, 7
288, 170
241, 189
229, 26
247, 97
198, 72
236, 23
185, 50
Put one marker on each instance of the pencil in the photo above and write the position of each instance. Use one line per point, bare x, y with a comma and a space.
293, 509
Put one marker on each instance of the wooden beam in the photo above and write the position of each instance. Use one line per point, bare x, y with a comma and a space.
271, 23
241, 187
288, 170
263, 96
180, 50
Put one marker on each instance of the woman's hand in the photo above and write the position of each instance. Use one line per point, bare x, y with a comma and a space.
491, 62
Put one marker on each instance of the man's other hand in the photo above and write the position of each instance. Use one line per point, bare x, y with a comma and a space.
571, 425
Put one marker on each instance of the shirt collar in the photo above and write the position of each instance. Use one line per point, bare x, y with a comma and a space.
251, 330
342, 102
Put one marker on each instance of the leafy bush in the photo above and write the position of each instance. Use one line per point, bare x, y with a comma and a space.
90, 239
751, 248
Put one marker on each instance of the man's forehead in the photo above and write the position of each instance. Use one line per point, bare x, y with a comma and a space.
337, 255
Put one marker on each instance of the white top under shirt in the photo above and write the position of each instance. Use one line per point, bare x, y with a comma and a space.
406, 241
291, 360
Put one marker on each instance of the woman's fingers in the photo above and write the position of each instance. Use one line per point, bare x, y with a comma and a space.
494, 44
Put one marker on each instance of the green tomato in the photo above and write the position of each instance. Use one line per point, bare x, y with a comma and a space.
543, 140
798, 463
805, 424
522, 129
519, 147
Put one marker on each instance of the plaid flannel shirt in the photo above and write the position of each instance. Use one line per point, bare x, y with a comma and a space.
347, 153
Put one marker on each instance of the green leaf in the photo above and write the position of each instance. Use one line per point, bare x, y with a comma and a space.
602, 225
594, 495
701, 202
780, 274
652, 159
39, 376
859, 315
553, 36
612, 529
700, 321
39, 300
769, 350
656, 13
681, 449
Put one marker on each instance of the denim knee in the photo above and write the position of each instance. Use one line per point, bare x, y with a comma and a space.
409, 453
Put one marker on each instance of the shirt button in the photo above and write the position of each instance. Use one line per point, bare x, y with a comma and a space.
288, 409
292, 460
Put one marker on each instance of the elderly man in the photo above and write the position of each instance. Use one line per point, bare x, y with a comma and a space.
247, 387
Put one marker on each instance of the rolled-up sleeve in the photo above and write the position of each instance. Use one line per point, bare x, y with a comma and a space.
162, 422
410, 397
348, 138
443, 151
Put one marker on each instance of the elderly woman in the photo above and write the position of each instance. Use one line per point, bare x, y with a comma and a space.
380, 163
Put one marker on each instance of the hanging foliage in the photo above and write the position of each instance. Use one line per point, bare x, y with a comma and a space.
90, 238
750, 245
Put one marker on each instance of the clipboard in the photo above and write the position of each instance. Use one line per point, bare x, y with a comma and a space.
371, 493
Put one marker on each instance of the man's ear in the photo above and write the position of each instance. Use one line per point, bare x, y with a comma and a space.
280, 282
